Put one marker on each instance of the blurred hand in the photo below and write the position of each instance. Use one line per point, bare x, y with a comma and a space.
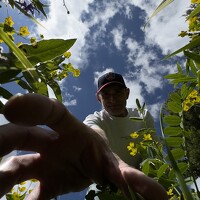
67, 157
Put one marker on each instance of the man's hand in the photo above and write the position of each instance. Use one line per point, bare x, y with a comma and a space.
68, 157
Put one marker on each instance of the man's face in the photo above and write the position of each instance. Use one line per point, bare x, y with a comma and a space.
113, 98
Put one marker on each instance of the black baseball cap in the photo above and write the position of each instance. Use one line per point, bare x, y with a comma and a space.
110, 78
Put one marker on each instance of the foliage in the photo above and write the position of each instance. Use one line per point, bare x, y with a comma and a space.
34, 67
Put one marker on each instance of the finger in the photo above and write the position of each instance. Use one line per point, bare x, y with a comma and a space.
18, 169
35, 109
15, 137
32, 109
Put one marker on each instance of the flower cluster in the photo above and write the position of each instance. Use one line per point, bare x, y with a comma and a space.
190, 100
8, 28
145, 138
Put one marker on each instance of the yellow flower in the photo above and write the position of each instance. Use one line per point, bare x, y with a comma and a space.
133, 152
147, 137
9, 21
76, 72
1, 41
67, 54
190, 100
183, 33
195, 1
24, 31
130, 146
170, 192
134, 135
194, 24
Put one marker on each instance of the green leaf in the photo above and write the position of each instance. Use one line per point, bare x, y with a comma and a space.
187, 89
40, 7
145, 166
174, 141
5, 93
172, 130
50, 65
46, 49
183, 167
162, 170
192, 44
138, 104
180, 71
174, 107
176, 98
56, 89
1, 109
185, 79
8, 73
174, 76
192, 67
24, 85
177, 153
194, 12
12, 3
160, 7
193, 56
38, 85
26, 14
172, 120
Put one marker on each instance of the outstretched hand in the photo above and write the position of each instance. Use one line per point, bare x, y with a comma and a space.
67, 157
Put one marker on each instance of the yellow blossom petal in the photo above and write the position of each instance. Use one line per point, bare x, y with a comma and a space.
9, 21
133, 151
147, 137
76, 73
130, 146
24, 31
170, 192
67, 54
134, 135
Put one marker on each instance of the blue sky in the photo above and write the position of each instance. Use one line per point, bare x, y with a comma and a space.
110, 37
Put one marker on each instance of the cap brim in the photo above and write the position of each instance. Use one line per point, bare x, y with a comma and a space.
103, 86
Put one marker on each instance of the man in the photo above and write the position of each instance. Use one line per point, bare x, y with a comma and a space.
113, 122
69, 157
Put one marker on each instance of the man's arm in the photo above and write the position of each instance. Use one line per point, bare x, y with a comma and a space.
69, 157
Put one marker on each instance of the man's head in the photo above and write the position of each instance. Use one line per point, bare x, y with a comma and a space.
113, 93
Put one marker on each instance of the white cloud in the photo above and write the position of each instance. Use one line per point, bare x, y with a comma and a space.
77, 89
135, 93
154, 109
66, 26
164, 28
118, 36
145, 67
